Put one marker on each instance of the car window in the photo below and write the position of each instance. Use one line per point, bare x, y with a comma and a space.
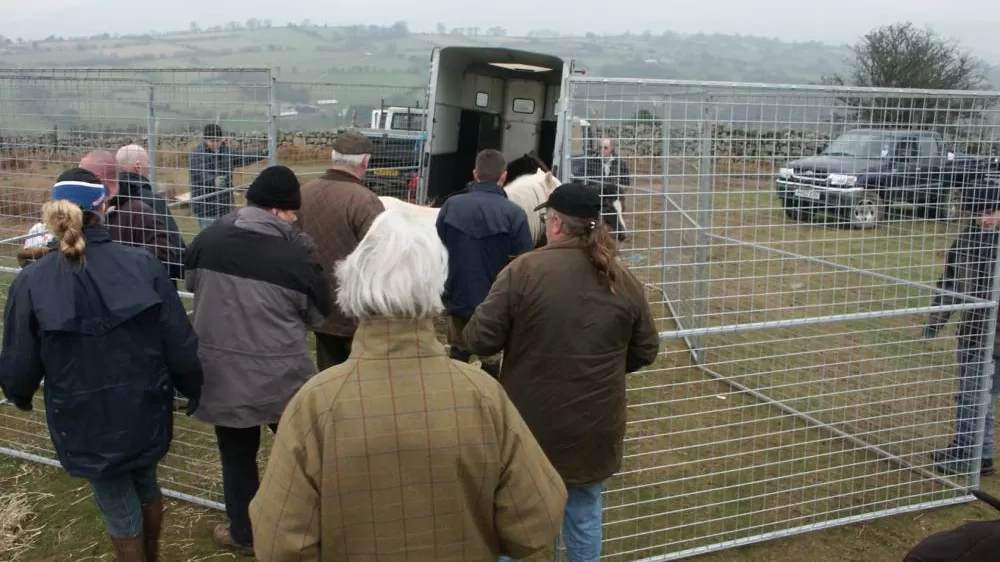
927, 148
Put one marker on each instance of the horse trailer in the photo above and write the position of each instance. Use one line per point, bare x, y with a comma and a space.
485, 97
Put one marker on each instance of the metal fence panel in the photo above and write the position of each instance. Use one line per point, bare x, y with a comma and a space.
309, 126
49, 118
796, 389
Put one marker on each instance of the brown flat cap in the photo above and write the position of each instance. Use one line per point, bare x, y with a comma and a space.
352, 142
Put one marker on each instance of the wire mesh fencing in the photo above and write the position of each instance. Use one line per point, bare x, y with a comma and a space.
794, 244
392, 117
51, 118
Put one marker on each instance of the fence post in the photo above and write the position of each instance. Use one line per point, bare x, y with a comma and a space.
272, 120
986, 369
151, 133
705, 171
665, 181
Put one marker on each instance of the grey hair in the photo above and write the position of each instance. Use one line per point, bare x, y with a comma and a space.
129, 154
397, 270
350, 160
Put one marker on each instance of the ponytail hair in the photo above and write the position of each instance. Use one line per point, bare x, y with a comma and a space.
600, 245
65, 221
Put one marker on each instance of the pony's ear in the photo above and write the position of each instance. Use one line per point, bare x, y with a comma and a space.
551, 183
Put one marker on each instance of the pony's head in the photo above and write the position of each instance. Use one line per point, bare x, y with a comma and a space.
526, 164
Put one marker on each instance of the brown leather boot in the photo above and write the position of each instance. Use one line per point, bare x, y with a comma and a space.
131, 549
152, 524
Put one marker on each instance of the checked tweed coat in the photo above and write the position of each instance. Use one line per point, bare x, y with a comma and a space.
404, 454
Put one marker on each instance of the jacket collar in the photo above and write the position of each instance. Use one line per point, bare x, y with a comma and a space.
396, 338
574, 243
487, 187
334, 174
93, 234
130, 186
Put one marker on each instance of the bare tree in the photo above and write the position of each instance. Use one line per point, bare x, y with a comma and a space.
903, 56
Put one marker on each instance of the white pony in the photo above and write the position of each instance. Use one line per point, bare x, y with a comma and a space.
527, 192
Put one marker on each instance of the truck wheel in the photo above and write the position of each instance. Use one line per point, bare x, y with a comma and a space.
867, 211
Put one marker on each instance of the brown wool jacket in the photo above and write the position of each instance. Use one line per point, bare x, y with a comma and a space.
136, 224
337, 210
402, 453
568, 344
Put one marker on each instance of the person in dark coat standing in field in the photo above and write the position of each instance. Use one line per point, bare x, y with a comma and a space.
483, 231
572, 322
257, 286
210, 171
970, 268
102, 324
337, 210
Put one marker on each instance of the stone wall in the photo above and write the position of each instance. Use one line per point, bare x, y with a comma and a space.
632, 141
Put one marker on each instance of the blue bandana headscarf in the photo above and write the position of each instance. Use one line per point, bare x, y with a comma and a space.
80, 187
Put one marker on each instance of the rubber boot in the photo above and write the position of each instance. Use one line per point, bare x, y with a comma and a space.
152, 525
130, 549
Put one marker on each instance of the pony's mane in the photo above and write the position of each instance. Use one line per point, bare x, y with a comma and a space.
526, 164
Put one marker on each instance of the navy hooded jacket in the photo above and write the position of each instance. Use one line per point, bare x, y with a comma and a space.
483, 231
112, 340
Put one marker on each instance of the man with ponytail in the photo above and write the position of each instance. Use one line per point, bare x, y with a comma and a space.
102, 324
571, 322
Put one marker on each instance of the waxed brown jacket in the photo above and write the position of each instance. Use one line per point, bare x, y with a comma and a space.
568, 343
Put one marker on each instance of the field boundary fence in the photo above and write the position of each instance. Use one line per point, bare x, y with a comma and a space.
788, 301
796, 388
50, 117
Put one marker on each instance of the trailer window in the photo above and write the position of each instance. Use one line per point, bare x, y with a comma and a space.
523, 105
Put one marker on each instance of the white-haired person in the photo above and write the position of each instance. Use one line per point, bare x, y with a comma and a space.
401, 451
102, 324
337, 210
582, 324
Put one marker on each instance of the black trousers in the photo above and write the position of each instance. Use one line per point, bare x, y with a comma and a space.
331, 350
238, 448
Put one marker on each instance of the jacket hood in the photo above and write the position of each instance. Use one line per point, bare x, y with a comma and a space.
104, 284
260, 220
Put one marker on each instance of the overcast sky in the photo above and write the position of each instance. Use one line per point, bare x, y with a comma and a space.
974, 22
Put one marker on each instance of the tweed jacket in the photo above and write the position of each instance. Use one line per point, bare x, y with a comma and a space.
401, 453
337, 210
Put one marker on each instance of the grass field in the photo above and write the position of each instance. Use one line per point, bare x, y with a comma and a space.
706, 461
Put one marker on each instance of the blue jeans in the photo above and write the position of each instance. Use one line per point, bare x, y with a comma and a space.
120, 500
581, 532
970, 381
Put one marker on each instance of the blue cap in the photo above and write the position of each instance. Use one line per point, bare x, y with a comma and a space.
80, 187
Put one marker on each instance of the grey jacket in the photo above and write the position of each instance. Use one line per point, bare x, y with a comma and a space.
257, 288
